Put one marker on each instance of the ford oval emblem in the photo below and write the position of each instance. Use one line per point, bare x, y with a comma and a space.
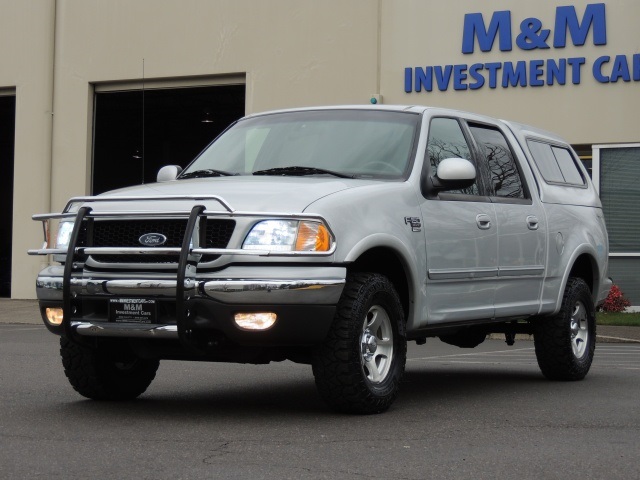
152, 239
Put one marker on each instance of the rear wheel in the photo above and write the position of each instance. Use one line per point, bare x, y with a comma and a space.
109, 372
565, 343
359, 366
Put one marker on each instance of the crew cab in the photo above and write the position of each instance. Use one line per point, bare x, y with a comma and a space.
332, 236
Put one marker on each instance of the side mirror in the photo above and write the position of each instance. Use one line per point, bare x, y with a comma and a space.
453, 174
168, 173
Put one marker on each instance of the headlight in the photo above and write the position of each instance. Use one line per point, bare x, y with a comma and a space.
288, 236
64, 234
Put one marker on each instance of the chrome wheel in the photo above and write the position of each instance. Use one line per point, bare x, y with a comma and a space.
376, 345
579, 329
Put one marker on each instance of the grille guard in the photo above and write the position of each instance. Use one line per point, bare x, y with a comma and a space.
187, 254
133, 214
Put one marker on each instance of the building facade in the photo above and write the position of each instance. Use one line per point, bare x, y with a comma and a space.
98, 94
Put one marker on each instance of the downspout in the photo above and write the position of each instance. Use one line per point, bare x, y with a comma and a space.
51, 109
379, 49
48, 167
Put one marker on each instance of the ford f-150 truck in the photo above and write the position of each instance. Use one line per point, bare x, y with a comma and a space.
332, 236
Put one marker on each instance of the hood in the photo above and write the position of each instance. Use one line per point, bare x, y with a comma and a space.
249, 193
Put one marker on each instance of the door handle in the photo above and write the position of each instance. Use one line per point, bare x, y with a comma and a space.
532, 222
484, 221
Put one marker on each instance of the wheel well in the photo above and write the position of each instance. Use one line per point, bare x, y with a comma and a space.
584, 268
385, 262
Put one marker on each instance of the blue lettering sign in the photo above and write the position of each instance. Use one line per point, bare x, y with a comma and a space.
620, 69
597, 69
513, 76
556, 71
493, 68
459, 76
535, 72
567, 19
576, 63
474, 71
532, 36
474, 27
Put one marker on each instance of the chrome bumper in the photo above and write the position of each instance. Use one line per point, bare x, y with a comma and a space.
235, 285
101, 329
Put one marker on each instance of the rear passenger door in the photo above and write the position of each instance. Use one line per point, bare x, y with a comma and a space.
521, 224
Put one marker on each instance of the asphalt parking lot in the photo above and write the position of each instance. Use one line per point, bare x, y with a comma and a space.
481, 413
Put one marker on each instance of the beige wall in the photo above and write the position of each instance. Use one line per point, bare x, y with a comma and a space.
291, 53
421, 33
26, 54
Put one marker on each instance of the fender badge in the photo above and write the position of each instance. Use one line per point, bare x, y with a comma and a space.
152, 239
414, 223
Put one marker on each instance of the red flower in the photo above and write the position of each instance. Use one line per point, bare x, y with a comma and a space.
615, 302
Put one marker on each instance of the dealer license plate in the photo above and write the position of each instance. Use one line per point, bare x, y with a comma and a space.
132, 310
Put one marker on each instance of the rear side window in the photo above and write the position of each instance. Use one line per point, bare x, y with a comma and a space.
556, 164
502, 169
568, 167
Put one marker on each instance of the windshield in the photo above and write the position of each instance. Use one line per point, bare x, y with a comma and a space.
348, 143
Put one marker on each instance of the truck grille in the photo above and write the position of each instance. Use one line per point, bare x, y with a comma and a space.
126, 233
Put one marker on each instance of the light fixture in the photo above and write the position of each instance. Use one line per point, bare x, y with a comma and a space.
137, 154
255, 320
54, 316
207, 117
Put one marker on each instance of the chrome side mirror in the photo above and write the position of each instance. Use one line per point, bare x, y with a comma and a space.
169, 173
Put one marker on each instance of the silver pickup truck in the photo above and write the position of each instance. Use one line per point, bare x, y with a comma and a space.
331, 237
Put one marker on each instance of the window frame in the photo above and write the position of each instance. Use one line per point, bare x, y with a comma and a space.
428, 189
528, 199
574, 157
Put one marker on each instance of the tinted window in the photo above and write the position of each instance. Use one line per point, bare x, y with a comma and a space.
446, 140
503, 173
546, 161
568, 166
556, 164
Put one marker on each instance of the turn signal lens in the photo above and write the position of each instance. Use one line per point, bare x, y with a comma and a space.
314, 237
54, 316
255, 320
289, 235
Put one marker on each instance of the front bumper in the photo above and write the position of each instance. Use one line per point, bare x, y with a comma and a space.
303, 298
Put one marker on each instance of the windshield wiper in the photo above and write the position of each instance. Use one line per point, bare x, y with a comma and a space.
301, 171
207, 172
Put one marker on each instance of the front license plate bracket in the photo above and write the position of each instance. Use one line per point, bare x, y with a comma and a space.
132, 310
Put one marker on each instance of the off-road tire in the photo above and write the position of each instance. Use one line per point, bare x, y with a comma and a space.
109, 372
349, 376
564, 353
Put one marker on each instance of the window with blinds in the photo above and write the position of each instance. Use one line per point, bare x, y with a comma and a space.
620, 192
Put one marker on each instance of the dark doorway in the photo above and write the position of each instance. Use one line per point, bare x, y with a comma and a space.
7, 144
178, 124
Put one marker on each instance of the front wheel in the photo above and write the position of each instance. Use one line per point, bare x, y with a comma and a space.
109, 372
565, 343
359, 366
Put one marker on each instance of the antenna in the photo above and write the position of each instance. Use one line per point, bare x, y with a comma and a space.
143, 121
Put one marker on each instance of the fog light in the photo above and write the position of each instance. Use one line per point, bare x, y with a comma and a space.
54, 316
255, 320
